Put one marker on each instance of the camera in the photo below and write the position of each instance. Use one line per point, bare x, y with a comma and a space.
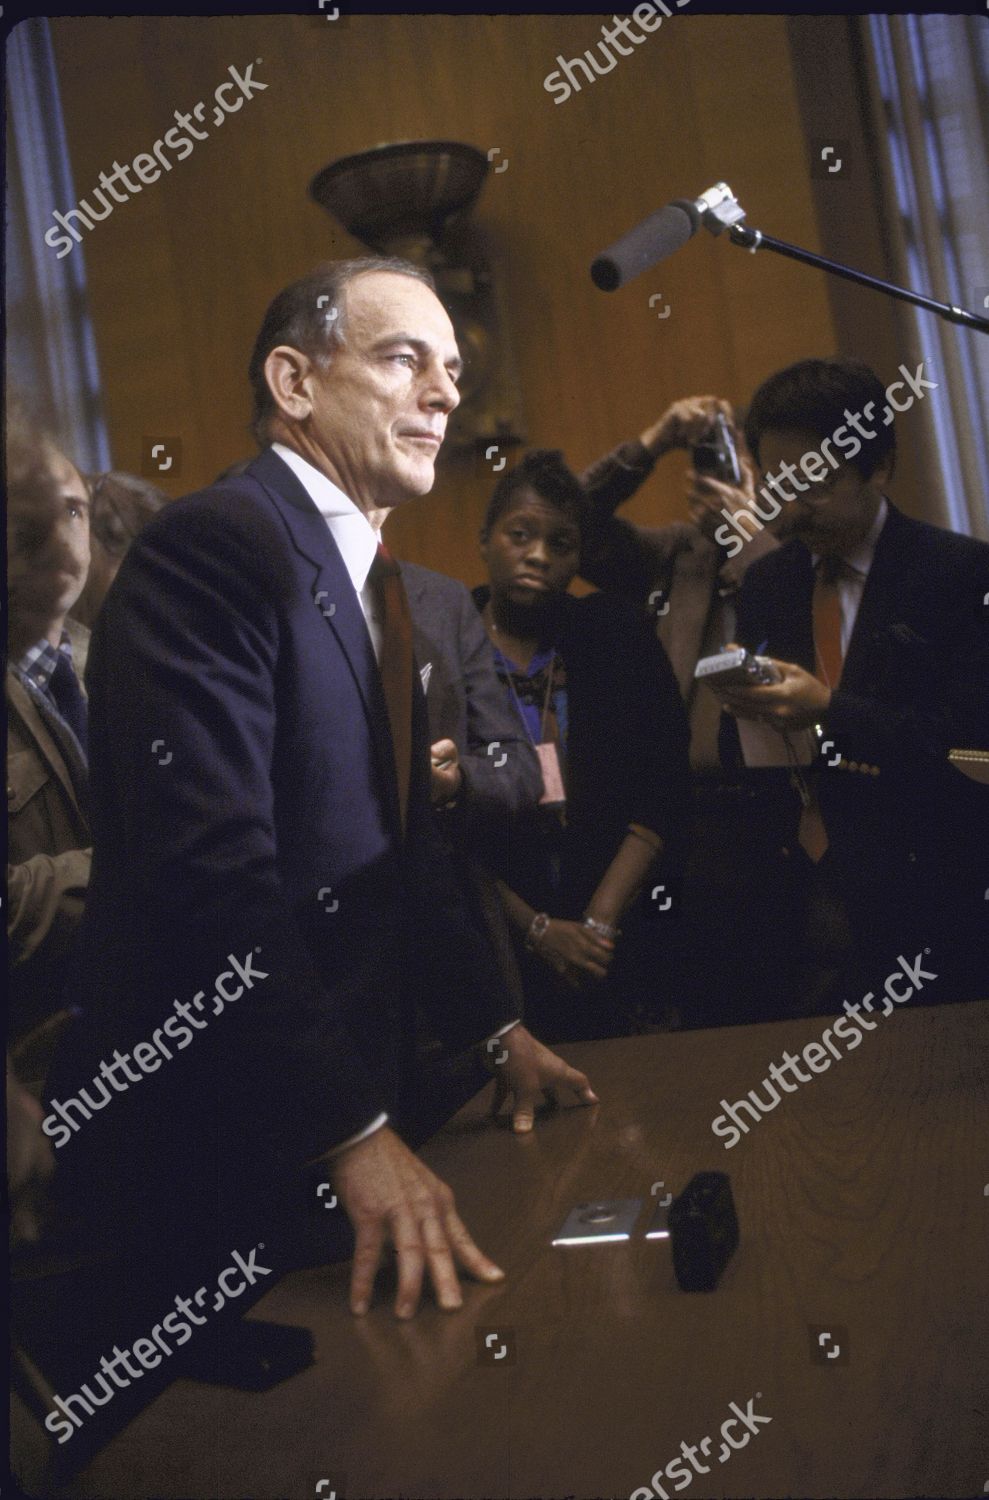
736, 669
716, 455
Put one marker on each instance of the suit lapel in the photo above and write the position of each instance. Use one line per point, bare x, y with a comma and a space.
423, 652
881, 604
333, 594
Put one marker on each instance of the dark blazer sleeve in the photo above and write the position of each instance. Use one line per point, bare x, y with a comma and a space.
613, 479
459, 982
659, 796
186, 760
615, 554
629, 734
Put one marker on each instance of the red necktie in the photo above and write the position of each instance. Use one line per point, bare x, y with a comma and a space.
395, 663
828, 661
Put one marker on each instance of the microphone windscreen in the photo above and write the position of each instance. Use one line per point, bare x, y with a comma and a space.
651, 241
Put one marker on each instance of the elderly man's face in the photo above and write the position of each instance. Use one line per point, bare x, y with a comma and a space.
48, 547
378, 413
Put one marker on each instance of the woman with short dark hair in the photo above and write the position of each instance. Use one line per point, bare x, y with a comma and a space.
596, 693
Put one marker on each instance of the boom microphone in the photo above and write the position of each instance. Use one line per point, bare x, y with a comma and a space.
663, 232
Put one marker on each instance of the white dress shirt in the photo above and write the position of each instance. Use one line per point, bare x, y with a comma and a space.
357, 541
349, 527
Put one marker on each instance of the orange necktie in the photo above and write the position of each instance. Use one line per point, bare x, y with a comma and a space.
827, 622
395, 663
812, 834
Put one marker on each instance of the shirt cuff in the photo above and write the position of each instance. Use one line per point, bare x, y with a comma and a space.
506, 1028
352, 1140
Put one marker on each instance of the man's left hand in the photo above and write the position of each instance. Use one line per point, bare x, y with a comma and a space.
530, 1069
796, 702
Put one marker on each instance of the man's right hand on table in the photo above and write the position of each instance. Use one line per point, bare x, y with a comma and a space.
392, 1198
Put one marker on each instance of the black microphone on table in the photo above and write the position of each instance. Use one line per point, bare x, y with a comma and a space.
664, 232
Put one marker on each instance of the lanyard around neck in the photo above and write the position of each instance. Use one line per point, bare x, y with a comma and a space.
545, 709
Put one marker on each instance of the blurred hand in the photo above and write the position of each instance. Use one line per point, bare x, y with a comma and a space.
530, 1070
576, 952
391, 1197
796, 702
684, 423
447, 777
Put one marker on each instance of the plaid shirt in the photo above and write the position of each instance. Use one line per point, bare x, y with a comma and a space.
39, 662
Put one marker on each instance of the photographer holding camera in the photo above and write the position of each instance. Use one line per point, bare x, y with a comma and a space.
683, 575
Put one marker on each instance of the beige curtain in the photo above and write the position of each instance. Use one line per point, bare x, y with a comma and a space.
928, 77
51, 349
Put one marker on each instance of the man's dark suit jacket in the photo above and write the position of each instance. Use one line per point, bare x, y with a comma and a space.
245, 803
466, 703
906, 829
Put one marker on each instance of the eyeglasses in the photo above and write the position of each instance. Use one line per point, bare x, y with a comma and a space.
815, 492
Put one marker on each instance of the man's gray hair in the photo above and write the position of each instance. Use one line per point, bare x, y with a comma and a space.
309, 316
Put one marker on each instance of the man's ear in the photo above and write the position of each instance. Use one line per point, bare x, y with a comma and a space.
285, 371
880, 477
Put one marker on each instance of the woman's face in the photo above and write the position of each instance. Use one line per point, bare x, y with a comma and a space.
532, 551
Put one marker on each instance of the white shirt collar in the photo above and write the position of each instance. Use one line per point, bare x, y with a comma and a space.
860, 557
350, 528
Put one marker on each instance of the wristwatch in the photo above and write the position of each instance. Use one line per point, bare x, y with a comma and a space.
537, 931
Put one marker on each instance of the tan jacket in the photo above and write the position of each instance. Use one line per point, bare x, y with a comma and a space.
48, 848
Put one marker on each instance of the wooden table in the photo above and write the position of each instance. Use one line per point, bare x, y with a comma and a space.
864, 1212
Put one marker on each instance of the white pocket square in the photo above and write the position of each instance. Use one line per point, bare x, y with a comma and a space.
425, 673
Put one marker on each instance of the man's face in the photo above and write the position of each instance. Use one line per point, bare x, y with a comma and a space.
378, 413
48, 547
532, 551
831, 515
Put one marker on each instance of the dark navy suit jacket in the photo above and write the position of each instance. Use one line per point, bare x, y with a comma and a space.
245, 803
906, 829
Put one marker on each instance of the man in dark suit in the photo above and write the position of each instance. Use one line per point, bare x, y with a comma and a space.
485, 775
878, 626
48, 838
483, 764
263, 828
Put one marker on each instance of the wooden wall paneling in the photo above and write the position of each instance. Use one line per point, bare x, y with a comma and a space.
179, 277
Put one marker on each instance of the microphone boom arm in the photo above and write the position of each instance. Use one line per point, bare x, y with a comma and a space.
718, 209
753, 240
